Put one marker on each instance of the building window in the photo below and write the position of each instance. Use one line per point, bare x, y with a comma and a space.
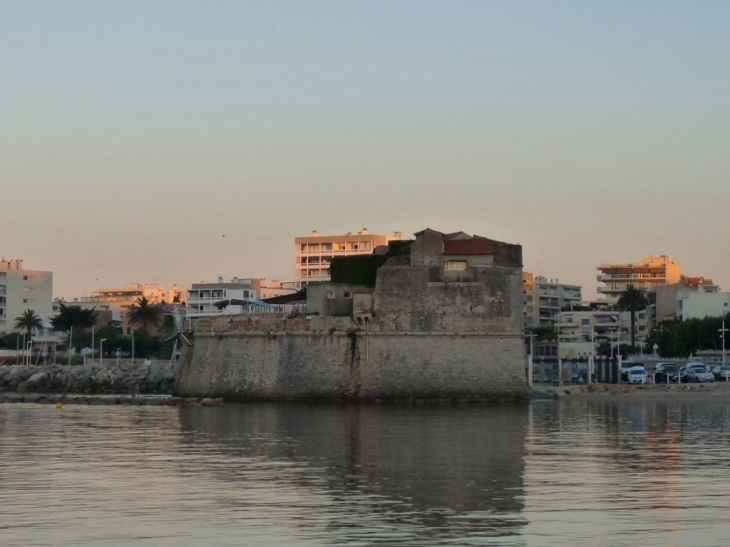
25, 300
25, 278
348, 294
330, 294
455, 265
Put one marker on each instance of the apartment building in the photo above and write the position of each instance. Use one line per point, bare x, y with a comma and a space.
209, 299
580, 331
545, 298
663, 299
707, 301
652, 272
313, 254
22, 289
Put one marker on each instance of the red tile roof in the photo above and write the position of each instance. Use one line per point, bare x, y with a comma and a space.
400, 261
475, 246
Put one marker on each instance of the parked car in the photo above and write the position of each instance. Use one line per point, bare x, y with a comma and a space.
666, 373
637, 375
721, 373
697, 372
626, 367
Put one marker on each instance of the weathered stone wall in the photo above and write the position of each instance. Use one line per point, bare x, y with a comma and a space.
356, 365
407, 300
331, 299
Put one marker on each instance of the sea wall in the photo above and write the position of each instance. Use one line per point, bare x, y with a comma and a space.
305, 360
91, 378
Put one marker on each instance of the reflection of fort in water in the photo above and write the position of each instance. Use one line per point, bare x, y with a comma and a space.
426, 462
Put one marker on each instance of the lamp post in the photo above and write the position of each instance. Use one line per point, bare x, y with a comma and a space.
592, 358
613, 331
101, 351
560, 360
530, 358
723, 330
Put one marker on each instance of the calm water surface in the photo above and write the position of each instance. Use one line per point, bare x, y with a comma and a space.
577, 473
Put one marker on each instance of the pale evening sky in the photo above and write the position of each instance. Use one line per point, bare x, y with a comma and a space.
134, 135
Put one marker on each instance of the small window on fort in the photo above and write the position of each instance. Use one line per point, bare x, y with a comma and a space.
331, 294
455, 265
348, 294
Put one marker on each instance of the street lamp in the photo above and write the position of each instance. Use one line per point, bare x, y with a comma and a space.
613, 331
723, 330
101, 351
530, 359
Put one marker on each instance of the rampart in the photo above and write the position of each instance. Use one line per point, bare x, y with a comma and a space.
274, 358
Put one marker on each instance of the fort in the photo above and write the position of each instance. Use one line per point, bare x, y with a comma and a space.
443, 322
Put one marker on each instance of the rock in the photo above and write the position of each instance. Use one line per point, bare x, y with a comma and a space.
208, 401
616, 388
36, 378
597, 388
573, 390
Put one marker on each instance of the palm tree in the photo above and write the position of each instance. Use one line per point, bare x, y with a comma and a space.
76, 319
144, 313
29, 321
632, 300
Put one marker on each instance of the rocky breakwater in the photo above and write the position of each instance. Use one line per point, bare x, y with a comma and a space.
713, 389
91, 378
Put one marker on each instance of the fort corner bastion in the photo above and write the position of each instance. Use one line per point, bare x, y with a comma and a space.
443, 322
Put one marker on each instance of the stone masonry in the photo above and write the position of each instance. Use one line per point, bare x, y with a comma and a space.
446, 324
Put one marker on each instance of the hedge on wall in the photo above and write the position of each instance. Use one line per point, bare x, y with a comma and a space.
363, 269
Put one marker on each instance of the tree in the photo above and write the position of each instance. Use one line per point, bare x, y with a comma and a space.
144, 313
76, 318
28, 321
545, 334
632, 300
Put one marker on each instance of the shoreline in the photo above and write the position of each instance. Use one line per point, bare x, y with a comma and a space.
631, 392
107, 399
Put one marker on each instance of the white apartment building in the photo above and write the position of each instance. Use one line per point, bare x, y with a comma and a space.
663, 299
203, 297
313, 254
652, 272
707, 301
22, 289
578, 331
544, 298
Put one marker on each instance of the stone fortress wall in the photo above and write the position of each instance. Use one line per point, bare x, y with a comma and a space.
429, 334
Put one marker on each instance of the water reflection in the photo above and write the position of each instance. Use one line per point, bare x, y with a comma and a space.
635, 473
425, 473
592, 472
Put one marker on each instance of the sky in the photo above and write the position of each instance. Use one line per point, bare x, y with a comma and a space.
178, 141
